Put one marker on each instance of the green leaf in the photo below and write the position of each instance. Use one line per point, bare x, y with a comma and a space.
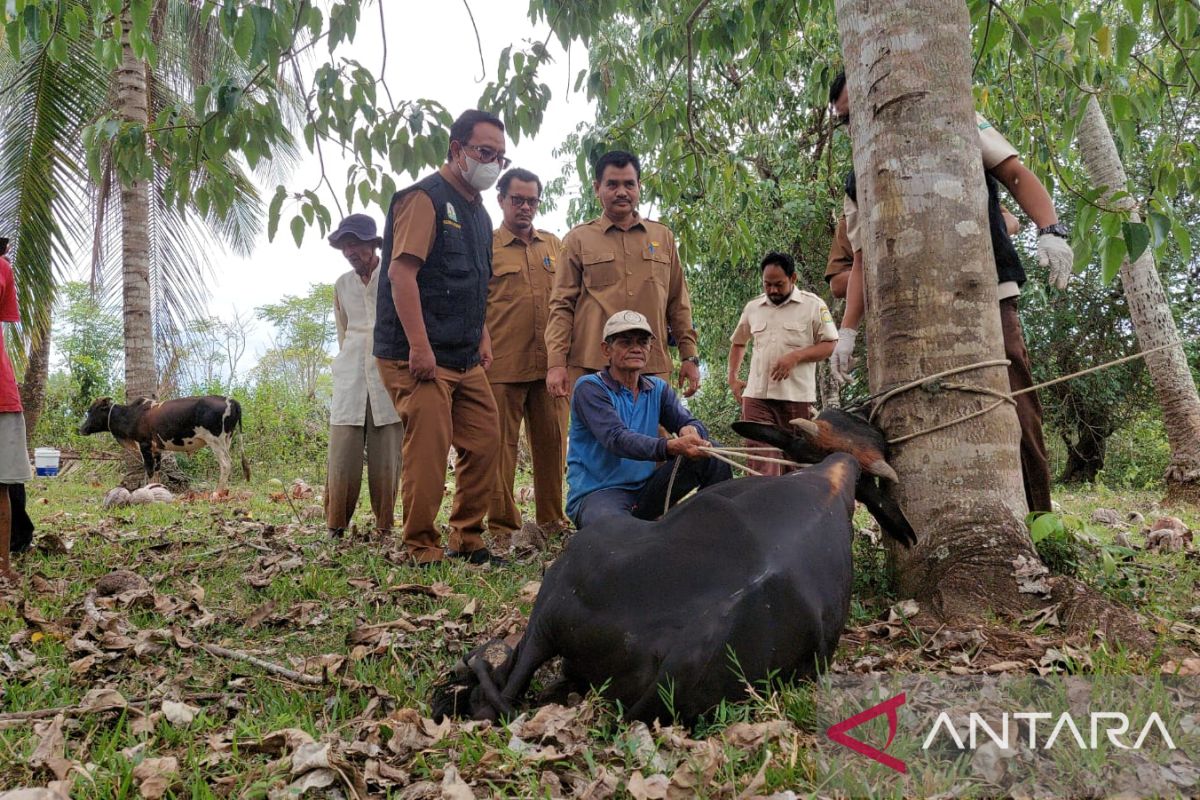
1126, 38
1044, 525
1160, 226
1114, 255
1137, 237
243, 35
1135, 8
298, 229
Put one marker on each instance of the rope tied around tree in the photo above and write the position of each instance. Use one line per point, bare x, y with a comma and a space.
933, 385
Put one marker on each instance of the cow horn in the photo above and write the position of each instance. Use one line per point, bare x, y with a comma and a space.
807, 426
883, 469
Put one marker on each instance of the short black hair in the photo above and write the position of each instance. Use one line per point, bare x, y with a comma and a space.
618, 159
835, 88
464, 126
3, 245
517, 174
781, 260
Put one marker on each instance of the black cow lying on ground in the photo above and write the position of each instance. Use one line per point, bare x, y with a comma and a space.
184, 425
749, 579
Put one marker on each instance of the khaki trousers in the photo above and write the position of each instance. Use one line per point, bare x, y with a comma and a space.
344, 475
546, 423
456, 408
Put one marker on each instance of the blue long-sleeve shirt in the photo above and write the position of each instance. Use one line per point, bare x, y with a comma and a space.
613, 438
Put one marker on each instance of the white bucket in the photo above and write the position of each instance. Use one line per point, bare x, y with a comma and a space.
45, 461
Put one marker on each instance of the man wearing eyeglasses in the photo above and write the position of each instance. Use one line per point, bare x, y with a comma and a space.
432, 344
524, 260
616, 415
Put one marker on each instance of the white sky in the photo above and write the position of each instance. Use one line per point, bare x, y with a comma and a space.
418, 66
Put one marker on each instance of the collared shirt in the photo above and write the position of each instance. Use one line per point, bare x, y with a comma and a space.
614, 441
518, 304
10, 397
841, 254
605, 269
414, 227
800, 322
356, 380
995, 149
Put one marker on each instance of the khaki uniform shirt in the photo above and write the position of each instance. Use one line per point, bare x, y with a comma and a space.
414, 225
801, 322
605, 269
996, 150
518, 304
356, 380
841, 254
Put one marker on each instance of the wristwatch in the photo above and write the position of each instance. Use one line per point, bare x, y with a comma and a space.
1057, 229
694, 359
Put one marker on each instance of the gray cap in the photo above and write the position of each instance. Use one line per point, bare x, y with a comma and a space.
360, 226
623, 321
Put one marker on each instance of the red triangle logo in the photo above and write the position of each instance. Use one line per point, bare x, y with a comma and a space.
838, 732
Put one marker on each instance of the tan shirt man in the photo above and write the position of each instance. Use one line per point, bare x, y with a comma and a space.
800, 322
519, 304
605, 269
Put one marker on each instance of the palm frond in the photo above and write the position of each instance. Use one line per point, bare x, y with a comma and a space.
43, 177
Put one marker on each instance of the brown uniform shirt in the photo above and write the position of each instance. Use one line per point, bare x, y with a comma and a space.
841, 255
605, 269
518, 304
414, 226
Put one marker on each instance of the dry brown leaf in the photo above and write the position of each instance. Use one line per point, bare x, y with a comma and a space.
179, 713
1007, 666
258, 615
314, 780
602, 787
652, 788
454, 787
310, 756
36, 794
750, 735
757, 781
155, 776
102, 700
555, 722
529, 591
693, 776
437, 589
145, 724
51, 748
470, 609
1189, 666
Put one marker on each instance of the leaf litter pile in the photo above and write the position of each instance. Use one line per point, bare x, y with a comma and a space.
225, 647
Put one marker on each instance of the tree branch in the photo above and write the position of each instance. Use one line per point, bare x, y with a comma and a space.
478, 41
1171, 38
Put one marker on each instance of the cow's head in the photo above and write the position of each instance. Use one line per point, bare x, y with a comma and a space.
473, 687
97, 417
837, 431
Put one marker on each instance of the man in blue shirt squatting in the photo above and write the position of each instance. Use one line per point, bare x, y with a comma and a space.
614, 444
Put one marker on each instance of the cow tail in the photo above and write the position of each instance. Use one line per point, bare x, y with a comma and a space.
242, 446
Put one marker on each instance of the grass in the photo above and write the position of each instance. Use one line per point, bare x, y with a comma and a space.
198, 556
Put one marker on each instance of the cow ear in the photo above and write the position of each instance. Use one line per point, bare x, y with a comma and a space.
767, 434
806, 426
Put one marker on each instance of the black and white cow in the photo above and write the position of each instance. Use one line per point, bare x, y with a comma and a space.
184, 425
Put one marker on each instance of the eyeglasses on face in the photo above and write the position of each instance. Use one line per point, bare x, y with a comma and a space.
518, 201
487, 155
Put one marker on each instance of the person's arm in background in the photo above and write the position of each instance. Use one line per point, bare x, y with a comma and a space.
339, 317
560, 321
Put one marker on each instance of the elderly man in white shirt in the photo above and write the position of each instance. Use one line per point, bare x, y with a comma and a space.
362, 414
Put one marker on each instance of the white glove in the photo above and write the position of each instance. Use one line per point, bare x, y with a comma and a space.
1055, 253
841, 363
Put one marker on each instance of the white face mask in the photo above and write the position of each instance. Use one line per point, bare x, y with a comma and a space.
480, 176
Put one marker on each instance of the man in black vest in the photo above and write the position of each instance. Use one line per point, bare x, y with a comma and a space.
431, 343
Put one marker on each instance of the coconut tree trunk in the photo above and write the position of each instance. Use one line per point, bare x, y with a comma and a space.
33, 386
132, 103
1151, 315
931, 300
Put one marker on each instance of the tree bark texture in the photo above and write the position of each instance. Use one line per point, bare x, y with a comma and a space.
33, 386
1151, 315
140, 373
932, 304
